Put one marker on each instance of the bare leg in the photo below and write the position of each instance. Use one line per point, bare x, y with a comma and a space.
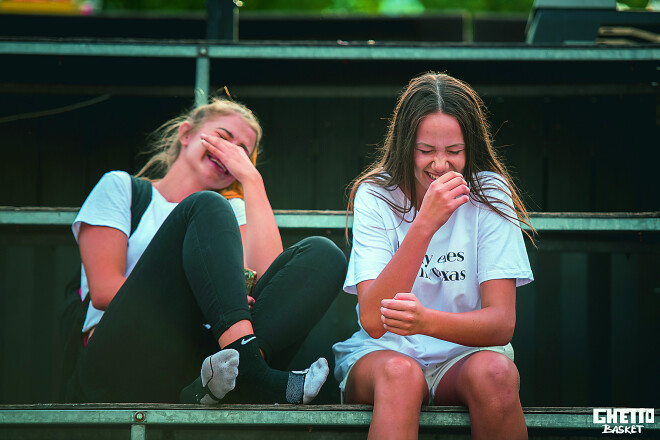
235, 332
395, 385
487, 383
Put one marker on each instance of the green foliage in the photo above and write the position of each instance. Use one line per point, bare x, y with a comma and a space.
481, 5
344, 6
154, 5
634, 4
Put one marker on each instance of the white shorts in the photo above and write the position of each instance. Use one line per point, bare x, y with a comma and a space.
435, 373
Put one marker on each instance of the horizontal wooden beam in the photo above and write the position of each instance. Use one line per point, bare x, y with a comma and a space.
306, 219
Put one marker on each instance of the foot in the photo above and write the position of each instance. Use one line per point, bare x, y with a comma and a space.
257, 382
316, 375
217, 378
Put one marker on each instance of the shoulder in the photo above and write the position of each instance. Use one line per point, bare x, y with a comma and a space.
119, 181
490, 179
371, 193
109, 203
493, 186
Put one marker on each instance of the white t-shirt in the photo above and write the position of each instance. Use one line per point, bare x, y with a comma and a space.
109, 204
475, 245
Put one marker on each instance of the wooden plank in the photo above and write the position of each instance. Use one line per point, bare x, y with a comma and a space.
600, 328
574, 305
547, 322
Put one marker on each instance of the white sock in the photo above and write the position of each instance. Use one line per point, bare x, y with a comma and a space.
314, 378
219, 372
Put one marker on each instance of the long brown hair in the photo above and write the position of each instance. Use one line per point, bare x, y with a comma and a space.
165, 146
426, 94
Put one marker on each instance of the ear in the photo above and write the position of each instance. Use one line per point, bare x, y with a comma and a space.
184, 133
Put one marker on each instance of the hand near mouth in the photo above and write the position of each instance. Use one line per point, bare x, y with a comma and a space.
442, 198
230, 158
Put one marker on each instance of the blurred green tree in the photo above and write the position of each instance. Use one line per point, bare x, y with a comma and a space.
344, 6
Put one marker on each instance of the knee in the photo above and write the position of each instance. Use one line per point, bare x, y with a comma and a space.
206, 200
400, 374
204, 197
492, 379
325, 251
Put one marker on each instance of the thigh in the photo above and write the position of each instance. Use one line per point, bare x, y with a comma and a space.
473, 373
294, 294
384, 369
151, 340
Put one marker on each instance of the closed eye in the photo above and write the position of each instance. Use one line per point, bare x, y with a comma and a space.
224, 134
425, 151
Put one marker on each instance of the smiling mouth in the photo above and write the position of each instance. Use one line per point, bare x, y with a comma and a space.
218, 164
433, 176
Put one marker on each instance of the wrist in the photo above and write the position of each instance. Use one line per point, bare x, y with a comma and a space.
251, 180
422, 228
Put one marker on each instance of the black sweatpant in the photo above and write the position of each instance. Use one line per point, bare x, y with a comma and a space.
151, 340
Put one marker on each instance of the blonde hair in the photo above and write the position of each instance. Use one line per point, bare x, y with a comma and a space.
165, 145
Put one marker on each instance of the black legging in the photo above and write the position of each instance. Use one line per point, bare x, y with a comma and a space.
151, 340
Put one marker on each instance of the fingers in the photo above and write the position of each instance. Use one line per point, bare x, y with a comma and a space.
220, 145
216, 144
232, 157
405, 296
443, 197
403, 314
398, 326
401, 301
401, 308
250, 301
453, 183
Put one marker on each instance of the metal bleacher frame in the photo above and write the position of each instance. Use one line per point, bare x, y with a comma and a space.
311, 219
203, 51
293, 421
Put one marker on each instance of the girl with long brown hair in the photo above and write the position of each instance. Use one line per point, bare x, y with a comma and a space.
437, 255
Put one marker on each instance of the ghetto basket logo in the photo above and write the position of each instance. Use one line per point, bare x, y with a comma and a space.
623, 420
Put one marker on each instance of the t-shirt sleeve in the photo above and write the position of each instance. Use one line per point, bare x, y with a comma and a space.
372, 246
501, 248
109, 204
238, 205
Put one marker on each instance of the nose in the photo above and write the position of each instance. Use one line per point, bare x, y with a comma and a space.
440, 163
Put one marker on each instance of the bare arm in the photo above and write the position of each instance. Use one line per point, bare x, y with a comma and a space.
262, 242
442, 198
493, 324
103, 253
398, 276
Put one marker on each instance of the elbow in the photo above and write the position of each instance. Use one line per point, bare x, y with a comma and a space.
504, 335
100, 302
375, 333
373, 327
